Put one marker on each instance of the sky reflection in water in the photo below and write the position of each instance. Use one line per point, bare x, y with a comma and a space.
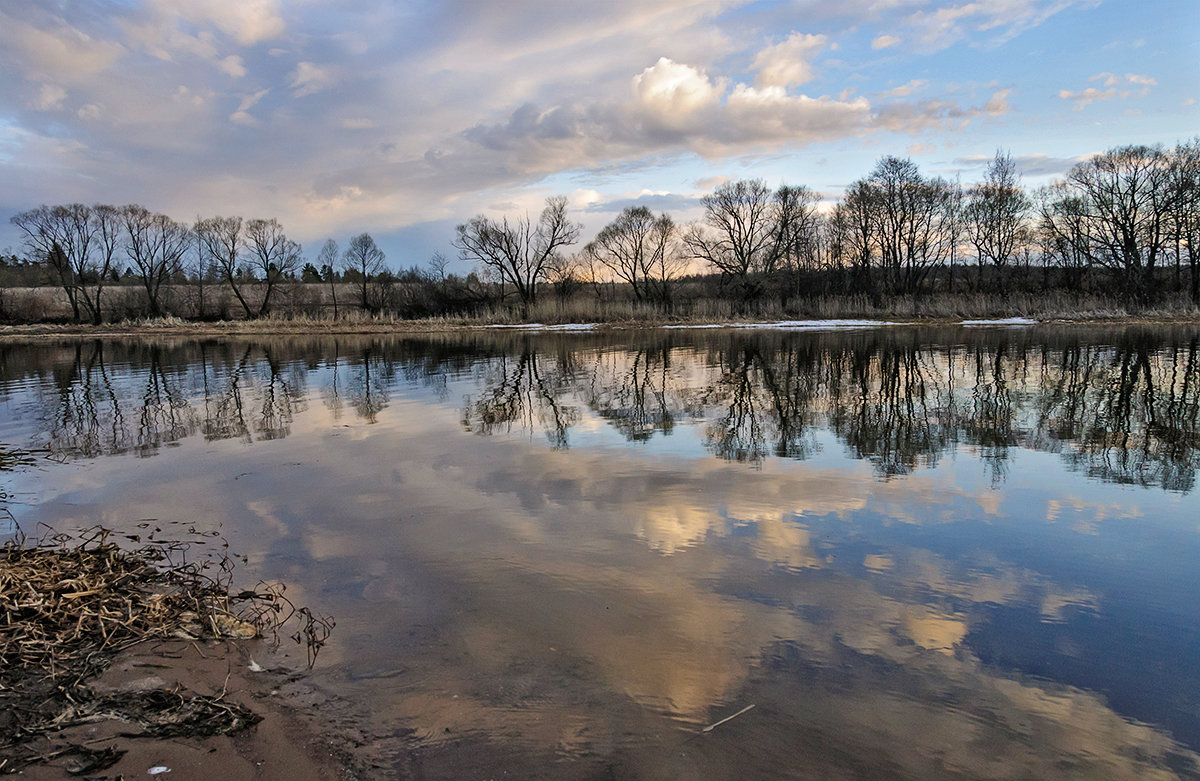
917, 552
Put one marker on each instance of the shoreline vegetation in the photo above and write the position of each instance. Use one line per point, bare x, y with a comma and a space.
102, 658
1115, 238
566, 321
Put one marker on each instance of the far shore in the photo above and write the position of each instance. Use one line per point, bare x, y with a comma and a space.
309, 326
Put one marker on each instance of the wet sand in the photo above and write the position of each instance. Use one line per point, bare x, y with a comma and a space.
292, 741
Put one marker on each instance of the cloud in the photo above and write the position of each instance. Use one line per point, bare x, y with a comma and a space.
671, 92
1084, 98
906, 89
242, 116
1028, 165
310, 78
994, 22
1113, 83
671, 203
232, 66
997, 104
48, 98
788, 63
884, 41
248, 22
55, 49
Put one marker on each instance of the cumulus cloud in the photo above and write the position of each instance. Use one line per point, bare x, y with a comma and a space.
789, 63
884, 41
671, 92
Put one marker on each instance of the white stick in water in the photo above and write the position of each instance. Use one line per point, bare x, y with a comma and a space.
711, 727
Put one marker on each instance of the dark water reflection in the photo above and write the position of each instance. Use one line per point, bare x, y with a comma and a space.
919, 553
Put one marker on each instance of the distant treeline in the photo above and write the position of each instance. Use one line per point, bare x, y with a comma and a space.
1124, 224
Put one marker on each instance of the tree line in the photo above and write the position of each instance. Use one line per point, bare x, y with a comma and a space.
1127, 219
1125, 215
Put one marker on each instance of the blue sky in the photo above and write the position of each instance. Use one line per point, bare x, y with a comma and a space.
403, 119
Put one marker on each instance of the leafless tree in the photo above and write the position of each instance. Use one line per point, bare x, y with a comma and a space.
738, 235
518, 251
155, 245
996, 214
78, 243
364, 261
1185, 219
914, 222
852, 233
1116, 210
326, 260
222, 241
636, 247
271, 256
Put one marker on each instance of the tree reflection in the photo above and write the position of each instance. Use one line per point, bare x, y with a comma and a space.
525, 391
1124, 410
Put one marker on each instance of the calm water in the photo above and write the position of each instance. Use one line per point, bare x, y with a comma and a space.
917, 553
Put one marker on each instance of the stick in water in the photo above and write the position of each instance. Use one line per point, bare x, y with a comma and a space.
711, 727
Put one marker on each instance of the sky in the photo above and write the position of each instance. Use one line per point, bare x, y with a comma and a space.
404, 119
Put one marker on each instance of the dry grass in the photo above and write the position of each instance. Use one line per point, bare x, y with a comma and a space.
71, 604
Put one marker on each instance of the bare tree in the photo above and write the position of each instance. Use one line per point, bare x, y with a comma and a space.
852, 234
634, 248
1185, 219
222, 241
78, 244
156, 245
518, 251
364, 261
1116, 210
738, 236
325, 263
797, 231
271, 256
996, 214
914, 222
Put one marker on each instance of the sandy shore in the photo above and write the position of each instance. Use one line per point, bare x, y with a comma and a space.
290, 743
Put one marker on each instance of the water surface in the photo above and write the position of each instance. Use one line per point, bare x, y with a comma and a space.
918, 553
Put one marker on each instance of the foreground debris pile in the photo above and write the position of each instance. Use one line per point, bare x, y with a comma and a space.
71, 604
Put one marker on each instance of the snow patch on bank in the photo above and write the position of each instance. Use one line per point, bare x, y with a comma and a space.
545, 327
1008, 321
795, 325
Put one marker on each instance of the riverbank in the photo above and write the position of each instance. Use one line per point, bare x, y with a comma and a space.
139, 660
309, 326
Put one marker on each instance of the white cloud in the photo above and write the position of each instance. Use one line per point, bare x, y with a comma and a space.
788, 63
672, 92
232, 66
242, 116
994, 22
56, 49
357, 123
997, 105
904, 90
310, 78
246, 21
48, 98
1084, 98
884, 41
